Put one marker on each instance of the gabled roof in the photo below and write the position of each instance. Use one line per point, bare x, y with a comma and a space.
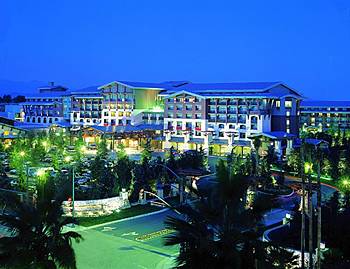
235, 86
237, 89
139, 85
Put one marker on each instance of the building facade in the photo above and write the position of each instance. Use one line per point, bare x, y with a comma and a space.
223, 116
325, 114
217, 117
46, 106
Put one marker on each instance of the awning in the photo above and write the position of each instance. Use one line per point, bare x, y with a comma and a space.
220, 141
196, 140
177, 139
241, 143
159, 138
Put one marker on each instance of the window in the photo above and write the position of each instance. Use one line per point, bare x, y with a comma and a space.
221, 134
242, 135
288, 113
221, 126
231, 126
278, 104
288, 104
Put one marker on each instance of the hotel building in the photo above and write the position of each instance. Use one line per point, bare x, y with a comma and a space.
218, 117
45, 107
222, 116
325, 114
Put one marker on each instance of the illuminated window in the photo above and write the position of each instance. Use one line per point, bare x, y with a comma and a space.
278, 104
288, 113
288, 104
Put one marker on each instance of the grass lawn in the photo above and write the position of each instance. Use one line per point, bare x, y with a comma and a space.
124, 213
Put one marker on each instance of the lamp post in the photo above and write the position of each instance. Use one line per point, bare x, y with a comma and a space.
180, 179
308, 172
67, 159
161, 199
23, 154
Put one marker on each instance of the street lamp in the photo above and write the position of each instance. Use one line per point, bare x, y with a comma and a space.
68, 159
22, 154
308, 168
181, 183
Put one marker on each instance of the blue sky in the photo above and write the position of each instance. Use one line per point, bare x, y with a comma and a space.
82, 43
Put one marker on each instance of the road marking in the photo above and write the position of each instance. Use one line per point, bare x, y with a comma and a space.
107, 229
131, 233
153, 235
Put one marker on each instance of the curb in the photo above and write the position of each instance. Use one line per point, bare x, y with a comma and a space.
82, 228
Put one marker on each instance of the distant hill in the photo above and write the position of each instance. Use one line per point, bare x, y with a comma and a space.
19, 87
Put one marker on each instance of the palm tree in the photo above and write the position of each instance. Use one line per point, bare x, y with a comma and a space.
220, 231
37, 239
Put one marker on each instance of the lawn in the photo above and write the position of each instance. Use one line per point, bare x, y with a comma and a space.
124, 213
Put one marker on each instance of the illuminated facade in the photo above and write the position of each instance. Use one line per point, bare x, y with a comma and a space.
223, 116
85, 106
325, 114
45, 107
218, 117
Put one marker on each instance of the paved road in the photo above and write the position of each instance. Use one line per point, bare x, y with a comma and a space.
128, 244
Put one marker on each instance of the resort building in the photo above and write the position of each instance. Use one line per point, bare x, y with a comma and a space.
46, 106
217, 117
323, 115
85, 107
223, 116
13, 111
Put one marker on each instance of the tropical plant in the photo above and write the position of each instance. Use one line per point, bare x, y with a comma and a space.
37, 239
220, 231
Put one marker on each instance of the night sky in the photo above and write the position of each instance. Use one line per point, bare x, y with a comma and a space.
83, 43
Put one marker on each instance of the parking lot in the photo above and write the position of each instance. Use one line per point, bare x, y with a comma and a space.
136, 243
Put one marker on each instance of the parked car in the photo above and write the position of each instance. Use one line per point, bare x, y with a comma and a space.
92, 146
14, 182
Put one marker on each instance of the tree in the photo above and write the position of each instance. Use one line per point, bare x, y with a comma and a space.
121, 153
19, 99
102, 148
123, 168
280, 258
293, 161
219, 232
37, 239
146, 154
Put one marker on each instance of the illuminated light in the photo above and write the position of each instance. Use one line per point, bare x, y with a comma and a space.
67, 159
45, 144
308, 167
22, 153
157, 109
40, 172
346, 182
83, 149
